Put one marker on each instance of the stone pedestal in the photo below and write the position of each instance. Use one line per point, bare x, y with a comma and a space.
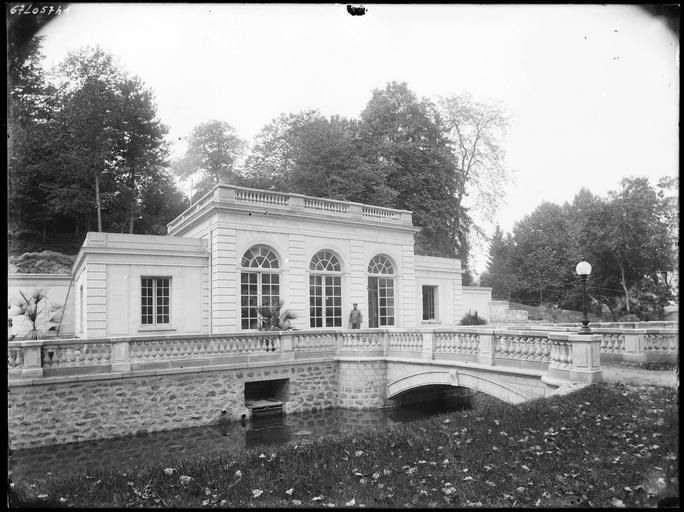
33, 366
487, 348
120, 361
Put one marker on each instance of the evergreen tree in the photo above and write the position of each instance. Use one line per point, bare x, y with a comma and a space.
500, 274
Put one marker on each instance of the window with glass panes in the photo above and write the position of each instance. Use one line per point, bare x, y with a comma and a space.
155, 297
380, 292
429, 310
259, 284
325, 290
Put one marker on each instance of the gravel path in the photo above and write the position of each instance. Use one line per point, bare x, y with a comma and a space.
636, 376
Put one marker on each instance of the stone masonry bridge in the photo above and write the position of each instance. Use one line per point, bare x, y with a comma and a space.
69, 390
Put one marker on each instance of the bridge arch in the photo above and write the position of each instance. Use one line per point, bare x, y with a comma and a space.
456, 379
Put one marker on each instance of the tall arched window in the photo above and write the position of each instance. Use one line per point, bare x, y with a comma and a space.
325, 290
259, 283
380, 292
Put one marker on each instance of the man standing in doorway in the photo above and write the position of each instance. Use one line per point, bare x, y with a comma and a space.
355, 318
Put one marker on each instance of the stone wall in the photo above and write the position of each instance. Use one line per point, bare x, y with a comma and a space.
362, 384
312, 387
56, 413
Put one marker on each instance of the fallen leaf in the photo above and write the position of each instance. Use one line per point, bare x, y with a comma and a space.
257, 492
617, 503
289, 491
317, 498
351, 503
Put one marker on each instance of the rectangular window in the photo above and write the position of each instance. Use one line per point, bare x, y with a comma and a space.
155, 300
429, 301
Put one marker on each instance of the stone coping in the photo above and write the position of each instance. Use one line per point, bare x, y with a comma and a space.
262, 364
558, 333
162, 371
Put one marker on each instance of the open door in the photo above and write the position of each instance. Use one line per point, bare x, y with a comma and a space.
372, 302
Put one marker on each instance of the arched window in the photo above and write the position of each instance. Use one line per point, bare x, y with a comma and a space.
325, 290
259, 283
380, 292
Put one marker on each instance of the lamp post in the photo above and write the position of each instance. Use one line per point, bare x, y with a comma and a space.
583, 270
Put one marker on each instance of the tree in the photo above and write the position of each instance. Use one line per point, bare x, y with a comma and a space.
212, 155
629, 237
140, 149
475, 130
30, 142
161, 201
309, 154
544, 255
404, 135
500, 273
88, 83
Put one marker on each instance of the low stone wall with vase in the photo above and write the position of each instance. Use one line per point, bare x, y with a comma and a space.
500, 313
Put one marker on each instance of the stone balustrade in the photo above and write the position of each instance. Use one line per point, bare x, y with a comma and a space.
450, 342
405, 341
76, 353
240, 197
495, 347
520, 348
201, 347
628, 343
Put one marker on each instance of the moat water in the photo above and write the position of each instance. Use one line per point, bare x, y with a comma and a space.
137, 452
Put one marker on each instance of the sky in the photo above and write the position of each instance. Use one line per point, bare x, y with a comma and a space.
592, 91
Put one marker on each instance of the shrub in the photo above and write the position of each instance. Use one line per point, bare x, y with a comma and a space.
274, 318
33, 307
472, 319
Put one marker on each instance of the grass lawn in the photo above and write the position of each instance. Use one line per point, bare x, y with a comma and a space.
544, 314
603, 446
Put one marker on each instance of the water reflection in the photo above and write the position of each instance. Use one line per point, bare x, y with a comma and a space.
226, 437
